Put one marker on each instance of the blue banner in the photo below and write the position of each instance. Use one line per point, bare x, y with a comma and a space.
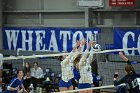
127, 39
41, 39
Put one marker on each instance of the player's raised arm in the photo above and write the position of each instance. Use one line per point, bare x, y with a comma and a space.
90, 57
81, 45
76, 45
123, 56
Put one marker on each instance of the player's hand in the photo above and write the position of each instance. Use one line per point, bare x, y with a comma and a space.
120, 53
25, 91
116, 75
84, 42
14, 89
78, 43
90, 44
17, 88
93, 43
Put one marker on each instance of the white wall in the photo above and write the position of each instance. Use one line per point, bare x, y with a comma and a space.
64, 13
67, 13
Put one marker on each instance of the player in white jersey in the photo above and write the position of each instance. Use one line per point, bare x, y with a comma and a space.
67, 68
86, 78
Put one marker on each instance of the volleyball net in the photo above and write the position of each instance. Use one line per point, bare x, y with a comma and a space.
106, 67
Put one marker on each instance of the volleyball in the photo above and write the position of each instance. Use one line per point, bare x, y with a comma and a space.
97, 47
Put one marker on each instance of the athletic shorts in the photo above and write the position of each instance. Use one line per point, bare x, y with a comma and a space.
84, 85
65, 84
74, 83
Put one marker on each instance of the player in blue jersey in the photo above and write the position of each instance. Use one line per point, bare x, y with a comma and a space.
16, 84
76, 73
130, 79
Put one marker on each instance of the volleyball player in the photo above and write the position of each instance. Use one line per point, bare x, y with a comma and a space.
75, 79
16, 84
130, 79
67, 68
86, 78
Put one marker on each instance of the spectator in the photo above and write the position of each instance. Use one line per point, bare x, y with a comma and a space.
27, 77
37, 75
27, 70
16, 84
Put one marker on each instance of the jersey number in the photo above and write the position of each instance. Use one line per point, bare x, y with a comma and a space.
134, 83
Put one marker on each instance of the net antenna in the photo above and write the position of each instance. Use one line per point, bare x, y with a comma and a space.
91, 3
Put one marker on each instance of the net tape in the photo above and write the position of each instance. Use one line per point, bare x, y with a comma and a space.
60, 54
